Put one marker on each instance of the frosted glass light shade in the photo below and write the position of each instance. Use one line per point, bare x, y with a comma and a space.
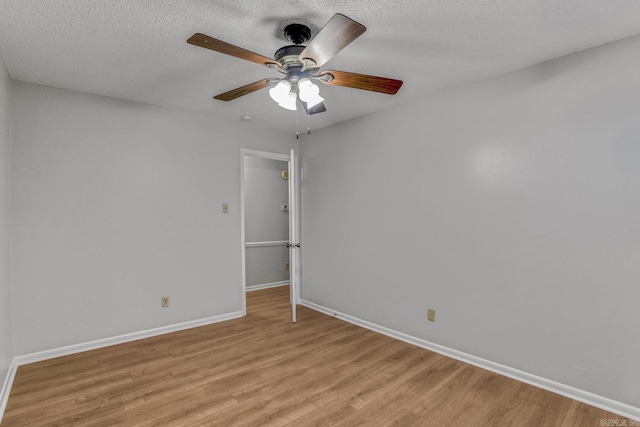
290, 102
280, 92
309, 92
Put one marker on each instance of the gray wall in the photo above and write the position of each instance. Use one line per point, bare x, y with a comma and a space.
511, 206
6, 352
265, 192
116, 204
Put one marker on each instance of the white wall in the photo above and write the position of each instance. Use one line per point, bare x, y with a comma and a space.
6, 351
265, 221
510, 206
116, 204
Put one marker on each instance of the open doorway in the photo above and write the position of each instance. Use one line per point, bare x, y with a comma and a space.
266, 222
267, 219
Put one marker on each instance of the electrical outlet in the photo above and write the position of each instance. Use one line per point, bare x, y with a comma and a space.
165, 302
286, 265
431, 314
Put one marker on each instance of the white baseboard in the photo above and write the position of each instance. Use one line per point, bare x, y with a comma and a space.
92, 345
267, 285
6, 386
589, 398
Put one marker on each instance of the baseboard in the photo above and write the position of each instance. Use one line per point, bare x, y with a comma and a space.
106, 342
267, 285
6, 386
564, 390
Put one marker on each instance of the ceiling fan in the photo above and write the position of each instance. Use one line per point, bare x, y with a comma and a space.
301, 65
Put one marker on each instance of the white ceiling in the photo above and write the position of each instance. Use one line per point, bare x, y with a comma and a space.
136, 49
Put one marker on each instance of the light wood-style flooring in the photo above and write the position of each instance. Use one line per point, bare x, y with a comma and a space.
263, 370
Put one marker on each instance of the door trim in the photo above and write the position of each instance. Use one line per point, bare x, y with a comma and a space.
246, 152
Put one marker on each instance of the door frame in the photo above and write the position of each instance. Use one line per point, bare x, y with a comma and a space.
246, 152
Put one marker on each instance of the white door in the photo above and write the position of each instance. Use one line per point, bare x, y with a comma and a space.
294, 240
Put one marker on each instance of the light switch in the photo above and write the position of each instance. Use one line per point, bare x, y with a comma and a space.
225, 208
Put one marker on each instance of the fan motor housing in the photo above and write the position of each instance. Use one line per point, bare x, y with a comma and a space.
288, 54
289, 57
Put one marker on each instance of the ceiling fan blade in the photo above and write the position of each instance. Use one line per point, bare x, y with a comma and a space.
362, 81
243, 90
335, 36
202, 40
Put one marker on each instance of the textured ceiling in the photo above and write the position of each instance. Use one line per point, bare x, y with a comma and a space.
137, 50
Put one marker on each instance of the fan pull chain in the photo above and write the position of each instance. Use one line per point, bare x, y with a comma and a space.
308, 123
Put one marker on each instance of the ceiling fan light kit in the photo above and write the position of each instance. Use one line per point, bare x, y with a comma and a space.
301, 65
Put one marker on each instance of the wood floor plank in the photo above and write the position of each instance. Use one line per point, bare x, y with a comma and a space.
188, 407
329, 414
263, 370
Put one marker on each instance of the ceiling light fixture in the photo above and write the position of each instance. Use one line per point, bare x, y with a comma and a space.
286, 93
